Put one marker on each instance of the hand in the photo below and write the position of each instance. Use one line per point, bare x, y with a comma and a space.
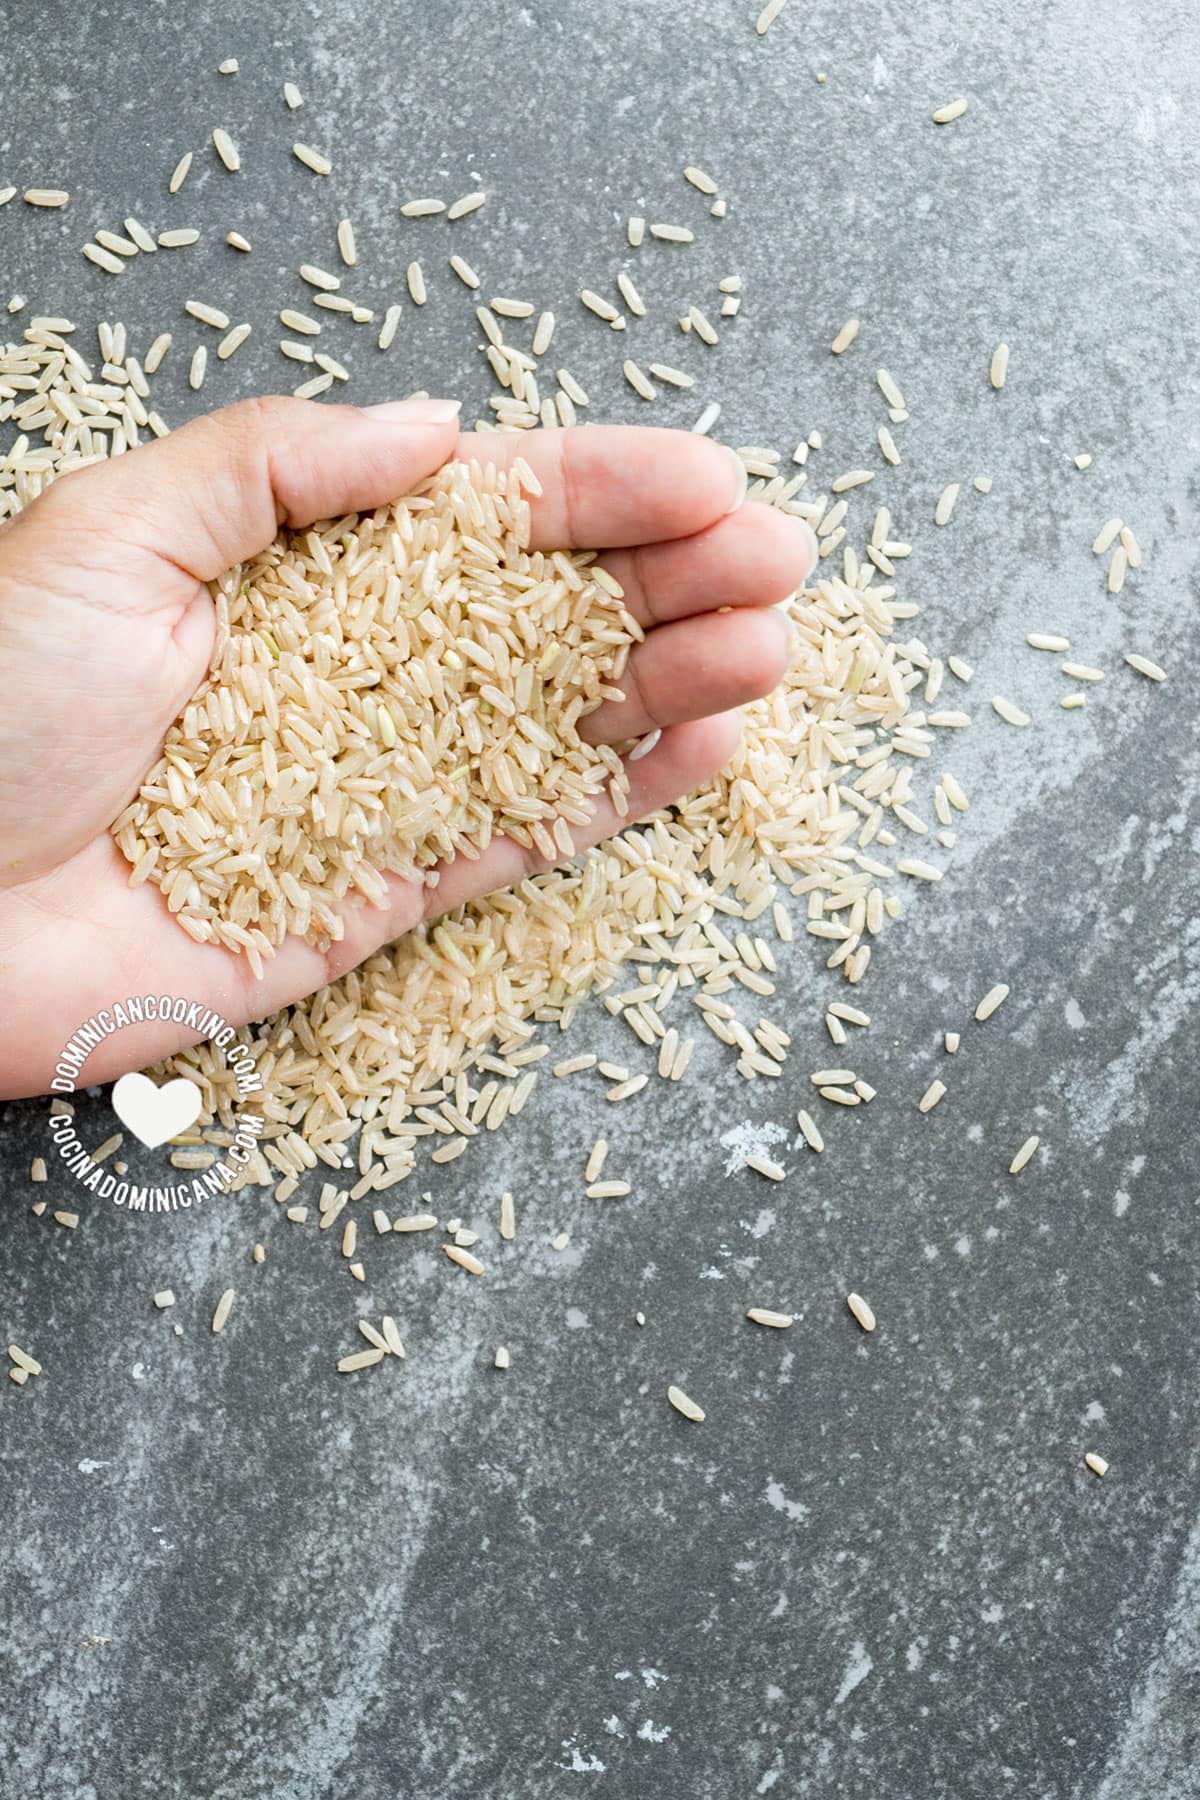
106, 629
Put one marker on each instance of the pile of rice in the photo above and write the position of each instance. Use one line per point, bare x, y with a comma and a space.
280, 791
385, 692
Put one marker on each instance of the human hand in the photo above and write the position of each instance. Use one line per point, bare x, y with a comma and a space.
106, 629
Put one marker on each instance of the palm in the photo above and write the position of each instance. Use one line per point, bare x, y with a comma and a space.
106, 629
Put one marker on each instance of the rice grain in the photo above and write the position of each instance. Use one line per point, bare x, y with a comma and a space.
683, 1403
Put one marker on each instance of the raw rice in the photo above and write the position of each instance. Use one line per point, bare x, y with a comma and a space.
1023, 1155
945, 505
1096, 1463
889, 390
207, 315
684, 1404
1010, 713
104, 259
945, 115
312, 159
762, 1315
763, 1165
637, 380
602, 308
845, 337
995, 997
232, 342
226, 149
810, 1131
998, 371
861, 1310
1144, 666
768, 16
1117, 569
224, 1308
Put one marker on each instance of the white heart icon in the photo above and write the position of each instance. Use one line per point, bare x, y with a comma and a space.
155, 1114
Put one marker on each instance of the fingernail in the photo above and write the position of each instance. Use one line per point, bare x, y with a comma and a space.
415, 412
810, 539
741, 480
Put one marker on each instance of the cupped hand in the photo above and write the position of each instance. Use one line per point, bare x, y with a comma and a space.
106, 628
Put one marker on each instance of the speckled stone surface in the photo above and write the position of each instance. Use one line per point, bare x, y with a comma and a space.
880, 1565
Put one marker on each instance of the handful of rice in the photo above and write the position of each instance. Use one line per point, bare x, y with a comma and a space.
385, 691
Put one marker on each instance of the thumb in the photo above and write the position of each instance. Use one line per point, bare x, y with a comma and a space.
217, 490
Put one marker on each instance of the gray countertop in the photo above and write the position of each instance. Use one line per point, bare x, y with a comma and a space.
880, 1565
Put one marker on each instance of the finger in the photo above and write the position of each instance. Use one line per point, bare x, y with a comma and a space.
217, 490
683, 759
756, 556
693, 668
105, 953
617, 484
680, 762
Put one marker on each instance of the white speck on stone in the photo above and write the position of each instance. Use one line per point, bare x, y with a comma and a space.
857, 1670
138, 1371
768, 1781
90, 1464
613, 1726
654, 1678
708, 1273
1095, 1413
775, 1496
962, 1245
1073, 1014
764, 1223
652, 1733
1121, 1203
912, 1656
752, 1138
992, 1615
576, 1320
581, 1765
